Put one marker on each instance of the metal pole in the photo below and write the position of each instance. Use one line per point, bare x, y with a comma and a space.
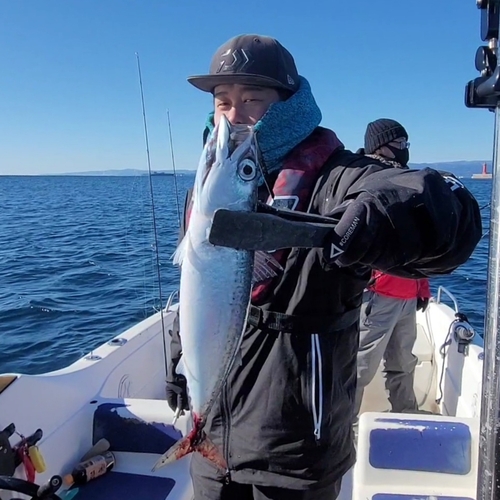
488, 486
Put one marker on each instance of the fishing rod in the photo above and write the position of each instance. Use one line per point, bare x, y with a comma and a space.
175, 173
153, 212
484, 92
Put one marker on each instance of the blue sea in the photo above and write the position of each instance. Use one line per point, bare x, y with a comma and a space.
79, 265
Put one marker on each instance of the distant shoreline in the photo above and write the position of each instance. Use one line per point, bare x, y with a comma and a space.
106, 174
463, 169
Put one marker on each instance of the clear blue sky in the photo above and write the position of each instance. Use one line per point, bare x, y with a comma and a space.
70, 99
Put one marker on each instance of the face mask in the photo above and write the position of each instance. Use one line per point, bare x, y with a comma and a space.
402, 156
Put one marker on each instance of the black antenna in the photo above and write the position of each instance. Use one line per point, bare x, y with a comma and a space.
175, 173
153, 212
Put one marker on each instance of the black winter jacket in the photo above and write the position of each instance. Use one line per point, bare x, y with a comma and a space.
285, 415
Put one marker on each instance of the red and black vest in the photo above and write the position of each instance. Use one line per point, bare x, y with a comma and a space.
295, 183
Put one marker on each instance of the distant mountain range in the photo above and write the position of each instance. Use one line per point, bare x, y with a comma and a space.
459, 168
128, 172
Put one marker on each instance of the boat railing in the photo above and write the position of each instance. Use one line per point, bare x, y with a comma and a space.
444, 290
173, 295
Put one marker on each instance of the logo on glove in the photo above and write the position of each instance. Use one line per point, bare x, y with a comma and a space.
336, 250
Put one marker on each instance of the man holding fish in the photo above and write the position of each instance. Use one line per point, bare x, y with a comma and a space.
284, 226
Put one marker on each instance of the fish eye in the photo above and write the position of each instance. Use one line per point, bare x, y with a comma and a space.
247, 170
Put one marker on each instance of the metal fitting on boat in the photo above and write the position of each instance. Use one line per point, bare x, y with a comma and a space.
462, 332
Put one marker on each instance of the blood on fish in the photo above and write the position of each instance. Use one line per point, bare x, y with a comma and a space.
197, 441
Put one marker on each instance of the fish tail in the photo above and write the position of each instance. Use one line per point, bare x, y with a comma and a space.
195, 441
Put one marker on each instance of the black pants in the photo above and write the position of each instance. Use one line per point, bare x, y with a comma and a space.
210, 487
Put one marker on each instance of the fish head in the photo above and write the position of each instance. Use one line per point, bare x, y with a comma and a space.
231, 174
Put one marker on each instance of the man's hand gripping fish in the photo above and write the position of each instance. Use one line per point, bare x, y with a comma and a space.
216, 281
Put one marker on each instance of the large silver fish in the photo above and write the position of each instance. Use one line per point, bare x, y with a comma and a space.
215, 283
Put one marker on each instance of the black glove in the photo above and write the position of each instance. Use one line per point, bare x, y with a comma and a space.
407, 223
364, 235
422, 304
176, 393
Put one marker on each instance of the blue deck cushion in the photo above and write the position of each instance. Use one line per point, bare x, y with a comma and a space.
127, 432
392, 496
123, 486
421, 445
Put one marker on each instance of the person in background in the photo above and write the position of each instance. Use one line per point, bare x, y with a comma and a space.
388, 315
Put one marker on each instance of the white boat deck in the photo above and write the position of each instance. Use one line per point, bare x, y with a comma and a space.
118, 392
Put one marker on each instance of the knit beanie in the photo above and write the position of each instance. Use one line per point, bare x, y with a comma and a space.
381, 132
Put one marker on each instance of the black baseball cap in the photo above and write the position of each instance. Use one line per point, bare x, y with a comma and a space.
251, 60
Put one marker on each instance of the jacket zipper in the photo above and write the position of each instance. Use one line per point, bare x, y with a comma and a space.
226, 426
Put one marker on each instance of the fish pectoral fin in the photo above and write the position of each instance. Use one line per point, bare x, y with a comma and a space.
265, 266
180, 251
189, 444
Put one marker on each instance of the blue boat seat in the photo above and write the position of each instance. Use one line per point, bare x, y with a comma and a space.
139, 431
124, 486
403, 457
392, 496
135, 425
421, 445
